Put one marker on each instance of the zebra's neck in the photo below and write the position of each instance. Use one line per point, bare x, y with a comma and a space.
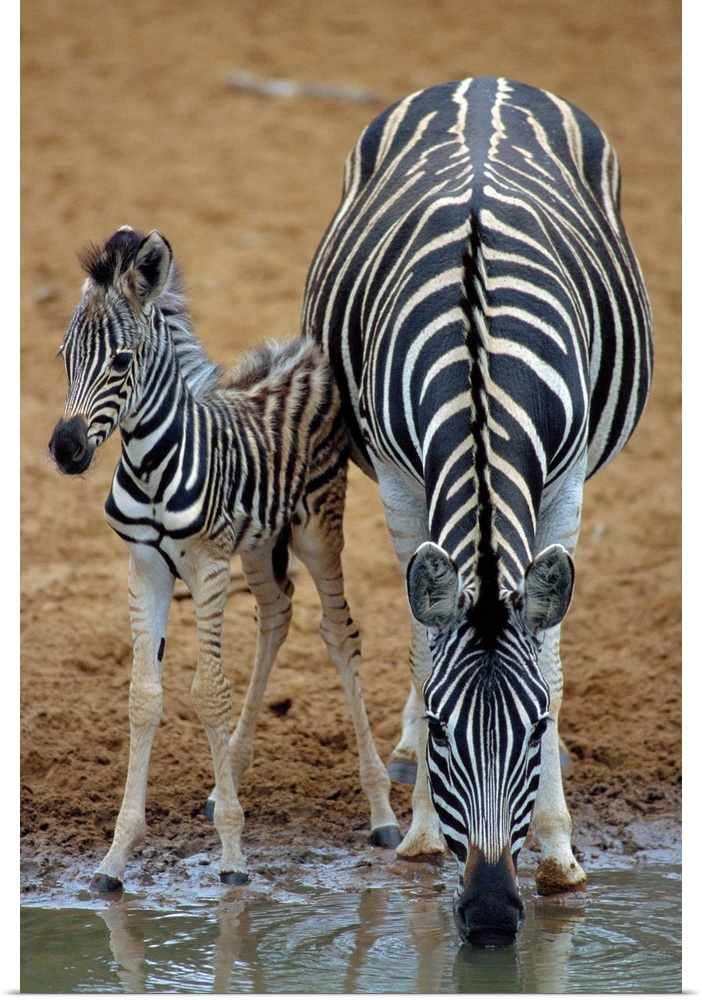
153, 429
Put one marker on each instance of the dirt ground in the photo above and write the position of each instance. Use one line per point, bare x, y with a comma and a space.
127, 117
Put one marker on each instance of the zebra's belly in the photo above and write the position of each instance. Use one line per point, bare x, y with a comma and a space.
182, 533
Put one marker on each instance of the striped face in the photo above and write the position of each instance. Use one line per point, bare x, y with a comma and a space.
487, 707
98, 352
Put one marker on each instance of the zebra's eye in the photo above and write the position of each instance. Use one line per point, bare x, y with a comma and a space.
538, 731
437, 732
121, 361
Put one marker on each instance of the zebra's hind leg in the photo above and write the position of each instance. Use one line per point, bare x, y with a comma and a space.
318, 544
274, 609
150, 592
212, 698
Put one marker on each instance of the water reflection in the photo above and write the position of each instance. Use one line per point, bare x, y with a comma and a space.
539, 962
369, 941
377, 940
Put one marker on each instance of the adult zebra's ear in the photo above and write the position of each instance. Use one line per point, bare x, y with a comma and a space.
433, 587
547, 589
148, 274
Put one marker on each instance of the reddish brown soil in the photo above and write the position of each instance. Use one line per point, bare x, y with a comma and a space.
127, 118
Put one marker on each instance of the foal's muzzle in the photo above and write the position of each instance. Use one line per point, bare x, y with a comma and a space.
69, 446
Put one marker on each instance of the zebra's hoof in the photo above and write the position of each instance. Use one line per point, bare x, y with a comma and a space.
402, 771
553, 878
233, 878
209, 810
105, 883
386, 836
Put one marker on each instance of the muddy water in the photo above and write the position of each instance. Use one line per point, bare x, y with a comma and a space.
623, 935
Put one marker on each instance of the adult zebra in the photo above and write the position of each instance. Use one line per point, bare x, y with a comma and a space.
490, 331
214, 462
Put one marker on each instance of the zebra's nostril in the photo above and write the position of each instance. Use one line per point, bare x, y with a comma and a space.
69, 446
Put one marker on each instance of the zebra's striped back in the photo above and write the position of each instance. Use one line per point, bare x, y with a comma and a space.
490, 331
568, 321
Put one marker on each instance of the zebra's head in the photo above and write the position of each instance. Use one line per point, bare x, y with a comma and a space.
102, 346
487, 711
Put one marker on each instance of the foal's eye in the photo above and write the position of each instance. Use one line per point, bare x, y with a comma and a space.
120, 362
538, 731
437, 732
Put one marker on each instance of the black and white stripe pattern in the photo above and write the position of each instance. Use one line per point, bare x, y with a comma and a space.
490, 331
213, 463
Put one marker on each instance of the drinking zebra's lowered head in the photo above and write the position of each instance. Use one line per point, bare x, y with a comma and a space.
251, 461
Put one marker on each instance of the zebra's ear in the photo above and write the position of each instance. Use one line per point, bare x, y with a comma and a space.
149, 273
547, 589
433, 586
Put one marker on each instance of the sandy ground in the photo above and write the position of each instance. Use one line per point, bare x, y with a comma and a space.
127, 117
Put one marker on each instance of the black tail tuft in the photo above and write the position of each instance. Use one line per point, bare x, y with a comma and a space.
281, 556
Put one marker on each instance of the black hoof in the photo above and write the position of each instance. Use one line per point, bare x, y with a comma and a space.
209, 810
105, 883
386, 836
233, 878
402, 771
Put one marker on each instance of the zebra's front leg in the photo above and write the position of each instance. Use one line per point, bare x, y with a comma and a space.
212, 698
273, 614
424, 836
406, 520
551, 824
150, 592
319, 546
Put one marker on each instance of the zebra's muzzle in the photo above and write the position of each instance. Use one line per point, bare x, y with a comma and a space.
489, 911
69, 446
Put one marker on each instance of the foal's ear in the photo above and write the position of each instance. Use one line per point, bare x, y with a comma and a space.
433, 586
148, 274
547, 589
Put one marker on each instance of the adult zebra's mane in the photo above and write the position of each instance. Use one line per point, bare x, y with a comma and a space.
489, 612
107, 263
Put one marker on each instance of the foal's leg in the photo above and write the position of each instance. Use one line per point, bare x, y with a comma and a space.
212, 698
318, 543
273, 613
150, 592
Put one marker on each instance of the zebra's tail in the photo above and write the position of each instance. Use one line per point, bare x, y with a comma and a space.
281, 558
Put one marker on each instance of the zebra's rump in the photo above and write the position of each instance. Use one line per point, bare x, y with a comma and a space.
568, 320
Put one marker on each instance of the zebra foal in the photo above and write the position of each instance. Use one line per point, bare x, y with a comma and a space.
490, 333
248, 461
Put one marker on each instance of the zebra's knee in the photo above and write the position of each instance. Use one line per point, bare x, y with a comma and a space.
145, 703
212, 697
